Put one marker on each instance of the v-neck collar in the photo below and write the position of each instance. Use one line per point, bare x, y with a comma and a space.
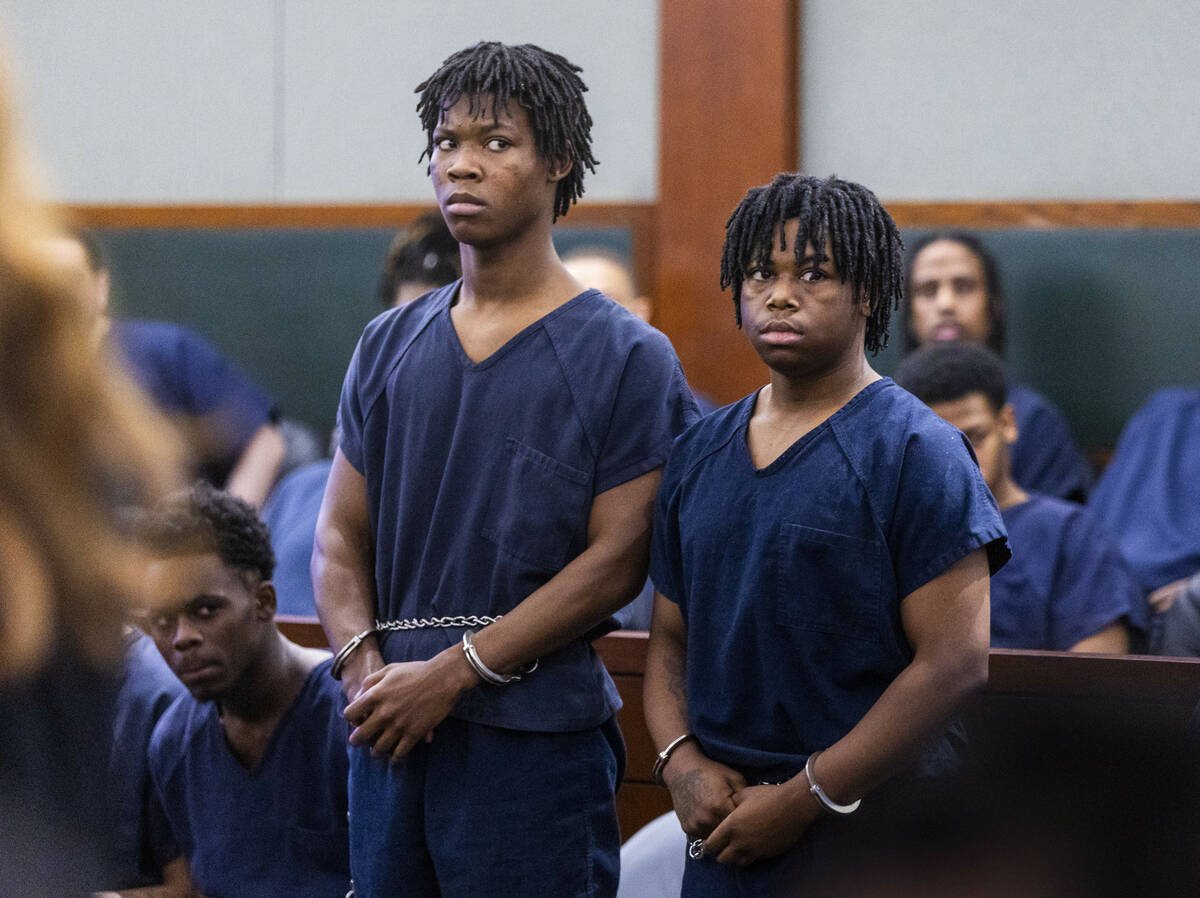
461, 353
252, 772
798, 446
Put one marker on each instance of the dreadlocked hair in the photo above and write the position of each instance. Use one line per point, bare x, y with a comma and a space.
545, 84
865, 243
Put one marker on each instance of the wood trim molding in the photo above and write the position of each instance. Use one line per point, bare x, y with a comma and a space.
637, 215
1046, 214
728, 120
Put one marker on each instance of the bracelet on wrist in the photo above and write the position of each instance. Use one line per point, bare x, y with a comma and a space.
340, 659
825, 801
664, 756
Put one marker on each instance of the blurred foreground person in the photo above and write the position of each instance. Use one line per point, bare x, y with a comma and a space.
74, 435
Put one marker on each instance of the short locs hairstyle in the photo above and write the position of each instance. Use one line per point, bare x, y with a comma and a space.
203, 518
997, 317
425, 252
545, 84
848, 217
947, 372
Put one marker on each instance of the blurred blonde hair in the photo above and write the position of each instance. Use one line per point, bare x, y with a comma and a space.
74, 434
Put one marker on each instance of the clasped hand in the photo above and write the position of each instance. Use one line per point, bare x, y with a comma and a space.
740, 824
400, 704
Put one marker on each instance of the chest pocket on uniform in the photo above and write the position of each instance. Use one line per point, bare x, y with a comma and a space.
828, 582
537, 507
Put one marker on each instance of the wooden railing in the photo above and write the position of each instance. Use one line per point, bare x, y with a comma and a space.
1019, 679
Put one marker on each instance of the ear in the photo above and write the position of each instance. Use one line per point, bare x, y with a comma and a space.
1008, 424
265, 600
558, 168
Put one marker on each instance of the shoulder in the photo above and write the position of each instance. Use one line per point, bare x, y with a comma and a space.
1169, 403
592, 323
887, 425
707, 436
389, 330
1031, 407
321, 691
174, 733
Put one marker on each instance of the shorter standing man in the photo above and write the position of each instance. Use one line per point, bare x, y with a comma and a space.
251, 768
1067, 587
821, 552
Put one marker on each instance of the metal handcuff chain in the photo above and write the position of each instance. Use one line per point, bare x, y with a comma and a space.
466, 621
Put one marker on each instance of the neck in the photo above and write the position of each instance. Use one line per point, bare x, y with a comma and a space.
837, 385
1007, 492
509, 272
268, 685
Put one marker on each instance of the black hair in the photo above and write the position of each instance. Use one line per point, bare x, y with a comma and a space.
946, 372
545, 84
866, 245
425, 252
997, 317
91, 249
203, 518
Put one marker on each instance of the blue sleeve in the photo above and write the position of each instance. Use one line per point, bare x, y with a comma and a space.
666, 557
653, 406
350, 415
943, 511
1093, 588
162, 843
1045, 458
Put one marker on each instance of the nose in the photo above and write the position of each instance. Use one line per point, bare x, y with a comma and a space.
944, 299
463, 164
186, 636
781, 295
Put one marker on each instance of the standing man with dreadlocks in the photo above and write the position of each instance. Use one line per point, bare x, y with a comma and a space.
489, 508
821, 553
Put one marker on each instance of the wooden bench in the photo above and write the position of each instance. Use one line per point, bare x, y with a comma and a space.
1019, 683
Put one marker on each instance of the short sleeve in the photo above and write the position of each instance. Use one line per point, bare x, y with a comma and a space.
1094, 589
653, 406
161, 845
1045, 458
350, 415
666, 557
944, 510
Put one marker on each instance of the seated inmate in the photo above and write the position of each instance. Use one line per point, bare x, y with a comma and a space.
1067, 587
954, 294
250, 768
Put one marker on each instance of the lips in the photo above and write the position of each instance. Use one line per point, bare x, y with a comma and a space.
195, 673
464, 204
780, 332
947, 330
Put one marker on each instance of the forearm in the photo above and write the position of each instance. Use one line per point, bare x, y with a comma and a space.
664, 687
914, 708
595, 584
254, 472
177, 883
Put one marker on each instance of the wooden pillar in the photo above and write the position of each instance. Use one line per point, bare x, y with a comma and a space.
728, 120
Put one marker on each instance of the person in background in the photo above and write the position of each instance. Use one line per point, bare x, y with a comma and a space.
423, 256
1067, 587
229, 425
954, 293
74, 433
1149, 498
821, 553
250, 768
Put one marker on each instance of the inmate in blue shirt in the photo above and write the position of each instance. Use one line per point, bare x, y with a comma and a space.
291, 516
1066, 580
480, 475
277, 829
1045, 458
1149, 496
186, 376
790, 577
141, 841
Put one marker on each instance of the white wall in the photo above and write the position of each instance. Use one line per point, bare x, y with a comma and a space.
1023, 98
244, 101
